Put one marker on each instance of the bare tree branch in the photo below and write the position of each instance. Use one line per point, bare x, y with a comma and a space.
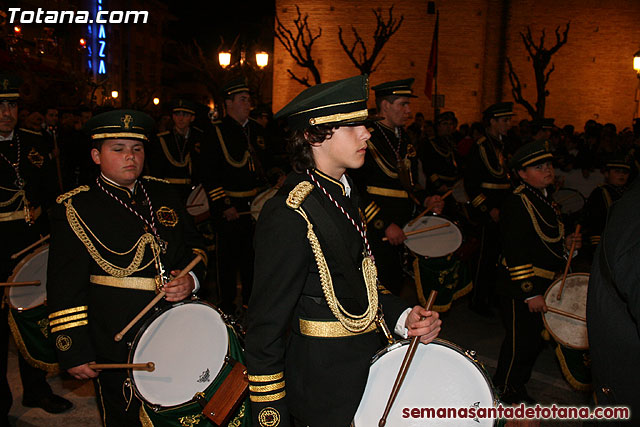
384, 30
516, 90
299, 45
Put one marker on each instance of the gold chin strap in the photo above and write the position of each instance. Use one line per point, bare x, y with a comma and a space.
351, 322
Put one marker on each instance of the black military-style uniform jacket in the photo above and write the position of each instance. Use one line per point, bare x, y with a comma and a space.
596, 209
171, 156
385, 197
84, 315
532, 237
231, 166
439, 162
38, 191
485, 177
318, 379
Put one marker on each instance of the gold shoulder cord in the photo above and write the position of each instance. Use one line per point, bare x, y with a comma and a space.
146, 239
18, 194
545, 239
351, 322
498, 173
381, 162
227, 156
607, 197
174, 162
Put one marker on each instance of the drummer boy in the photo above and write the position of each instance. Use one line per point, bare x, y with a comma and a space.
311, 319
535, 244
113, 245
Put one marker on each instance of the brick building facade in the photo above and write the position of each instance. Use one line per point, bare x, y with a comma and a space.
593, 77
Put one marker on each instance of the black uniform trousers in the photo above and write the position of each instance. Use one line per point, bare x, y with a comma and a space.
520, 348
486, 269
112, 397
235, 256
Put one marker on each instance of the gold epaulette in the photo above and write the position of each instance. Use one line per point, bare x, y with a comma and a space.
299, 193
153, 178
31, 131
61, 198
518, 189
481, 140
166, 132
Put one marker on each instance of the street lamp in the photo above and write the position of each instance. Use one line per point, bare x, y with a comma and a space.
636, 62
114, 94
262, 59
156, 101
224, 58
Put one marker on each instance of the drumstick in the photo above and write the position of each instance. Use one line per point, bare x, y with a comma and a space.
149, 366
31, 246
566, 269
154, 301
34, 283
424, 212
422, 230
248, 212
408, 357
566, 313
195, 206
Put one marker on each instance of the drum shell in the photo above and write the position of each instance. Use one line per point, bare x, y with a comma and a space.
449, 238
365, 416
170, 415
31, 267
198, 196
258, 203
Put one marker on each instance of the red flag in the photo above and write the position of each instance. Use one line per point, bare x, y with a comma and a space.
432, 69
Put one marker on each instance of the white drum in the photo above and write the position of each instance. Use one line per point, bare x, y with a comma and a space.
188, 342
565, 330
260, 200
569, 200
441, 375
32, 267
459, 193
435, 243
198, 204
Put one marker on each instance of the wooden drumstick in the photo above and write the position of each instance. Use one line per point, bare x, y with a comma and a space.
422, 230
33, 283
566, 269
149, 366
566, 314
31, 246
404, 368
248, 212
154, 301
424, 212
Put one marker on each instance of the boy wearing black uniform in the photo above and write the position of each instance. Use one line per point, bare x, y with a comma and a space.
533, 251
312, 313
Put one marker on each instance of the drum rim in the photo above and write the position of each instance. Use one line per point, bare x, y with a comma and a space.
584, 200
138, 336
15, 272
445, 217
195, 190
544, 315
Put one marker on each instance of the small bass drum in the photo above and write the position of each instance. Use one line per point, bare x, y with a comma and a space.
435, 243
569, 332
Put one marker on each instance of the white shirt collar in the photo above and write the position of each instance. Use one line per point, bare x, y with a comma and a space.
8, 138
116, 184
347, 187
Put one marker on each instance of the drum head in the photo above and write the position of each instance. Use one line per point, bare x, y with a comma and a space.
440, 376
33, 267
459, 193
570, 201
197, 202
569, 332
436, 243
188, 343
260, 200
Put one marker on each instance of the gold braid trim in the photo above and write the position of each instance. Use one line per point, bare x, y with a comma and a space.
381, 161
351, 322
61, 198
498, 173
146, 239
530, 208
153, 178
227, 156
18, 193
174, 162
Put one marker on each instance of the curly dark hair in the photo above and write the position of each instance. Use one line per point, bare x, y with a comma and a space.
299, 143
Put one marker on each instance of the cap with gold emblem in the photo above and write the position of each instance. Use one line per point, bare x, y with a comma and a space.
120, 124
183, 105
395, 88
339, 103
234, 86
618, 161
531, 154
9, 85
501, 109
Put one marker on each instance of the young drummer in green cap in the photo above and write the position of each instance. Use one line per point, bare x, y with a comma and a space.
109, 244
311, 331
534, 246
